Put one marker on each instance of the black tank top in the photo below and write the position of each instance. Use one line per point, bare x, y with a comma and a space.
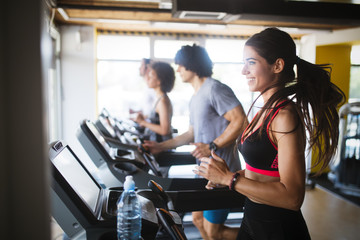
259, 151
154, 118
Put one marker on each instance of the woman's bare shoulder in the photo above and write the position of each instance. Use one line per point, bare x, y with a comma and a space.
287, 119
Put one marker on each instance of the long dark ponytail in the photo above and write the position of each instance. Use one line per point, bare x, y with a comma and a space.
315, 96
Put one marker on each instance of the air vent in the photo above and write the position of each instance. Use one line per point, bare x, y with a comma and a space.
201, 15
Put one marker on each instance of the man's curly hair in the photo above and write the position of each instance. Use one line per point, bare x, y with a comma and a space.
195, 58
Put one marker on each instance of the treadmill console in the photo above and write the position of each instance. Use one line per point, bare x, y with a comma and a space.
116, 151
69, 169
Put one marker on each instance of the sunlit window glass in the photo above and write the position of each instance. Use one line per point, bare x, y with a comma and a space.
119, 86
225, 50
355, 74
169, 48
355, 54
123, 47
230, 74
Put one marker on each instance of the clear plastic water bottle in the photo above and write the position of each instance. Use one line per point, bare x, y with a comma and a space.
129, 213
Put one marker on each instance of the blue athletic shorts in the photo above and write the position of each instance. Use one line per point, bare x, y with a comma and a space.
218, 216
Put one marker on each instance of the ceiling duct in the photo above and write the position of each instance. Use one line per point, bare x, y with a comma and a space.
223, 10
201, 15
310, 11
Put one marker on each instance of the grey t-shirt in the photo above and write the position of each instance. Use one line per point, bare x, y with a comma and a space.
207, 108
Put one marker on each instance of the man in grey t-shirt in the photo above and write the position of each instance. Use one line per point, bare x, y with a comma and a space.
207, 109
216, 120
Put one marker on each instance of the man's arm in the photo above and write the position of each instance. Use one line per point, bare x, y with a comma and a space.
180, 140
237, 123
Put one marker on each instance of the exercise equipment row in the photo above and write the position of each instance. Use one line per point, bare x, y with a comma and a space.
86, 209
84, 200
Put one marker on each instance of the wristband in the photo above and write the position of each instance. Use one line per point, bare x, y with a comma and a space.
233, 181
213, 146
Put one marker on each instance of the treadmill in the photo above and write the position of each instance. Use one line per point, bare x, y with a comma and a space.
82, 207
115, 160
126, 131
85, 209
129, 132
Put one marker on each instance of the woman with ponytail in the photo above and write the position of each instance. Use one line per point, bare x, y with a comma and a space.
273, 144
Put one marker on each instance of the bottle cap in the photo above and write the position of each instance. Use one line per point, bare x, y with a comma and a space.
129, 183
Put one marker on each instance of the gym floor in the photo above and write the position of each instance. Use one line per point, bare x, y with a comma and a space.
328, 216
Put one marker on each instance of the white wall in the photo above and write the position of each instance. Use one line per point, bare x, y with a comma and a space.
350, 36
78, 79
308, 53
310, 42
308, 48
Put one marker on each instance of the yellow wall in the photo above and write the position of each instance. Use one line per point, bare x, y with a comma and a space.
339, 57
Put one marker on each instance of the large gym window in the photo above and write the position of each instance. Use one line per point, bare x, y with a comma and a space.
120, 87
118, 61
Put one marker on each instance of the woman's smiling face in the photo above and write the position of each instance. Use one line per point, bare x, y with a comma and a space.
259, 73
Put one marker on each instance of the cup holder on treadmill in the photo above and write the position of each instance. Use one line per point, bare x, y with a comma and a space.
118, 154
122, 153
125, 167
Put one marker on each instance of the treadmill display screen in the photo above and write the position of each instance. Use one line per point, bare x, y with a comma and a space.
107, 125
98, 136
78, 178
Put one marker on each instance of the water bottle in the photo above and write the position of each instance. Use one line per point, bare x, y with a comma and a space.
128, 213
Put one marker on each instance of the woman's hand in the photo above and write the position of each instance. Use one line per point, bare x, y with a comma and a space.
210, 185
215, 170
140, 119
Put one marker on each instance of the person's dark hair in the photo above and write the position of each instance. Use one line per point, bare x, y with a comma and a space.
165, 74
196, 59
315, 96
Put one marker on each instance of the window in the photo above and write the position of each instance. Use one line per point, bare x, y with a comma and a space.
120, 86
225, 50
113, 47
227, 56
119, 83
354, 94
54, 89
167, 49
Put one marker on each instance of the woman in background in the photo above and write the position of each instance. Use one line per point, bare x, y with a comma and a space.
161, 78
273, 145
148, 95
